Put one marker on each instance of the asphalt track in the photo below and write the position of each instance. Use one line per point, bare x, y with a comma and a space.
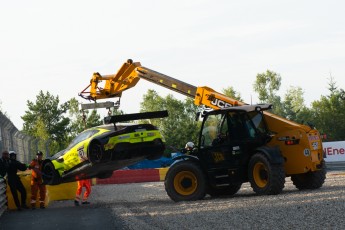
61, 215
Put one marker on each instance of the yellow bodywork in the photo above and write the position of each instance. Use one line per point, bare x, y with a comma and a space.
305, 156
136, 137
78, 153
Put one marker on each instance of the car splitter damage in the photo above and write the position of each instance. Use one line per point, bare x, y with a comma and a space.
98, 151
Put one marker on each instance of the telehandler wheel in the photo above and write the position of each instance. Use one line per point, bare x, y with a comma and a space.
265, 178
185, 181
224, 191
310, 180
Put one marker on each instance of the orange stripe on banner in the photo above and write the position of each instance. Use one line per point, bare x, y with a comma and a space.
131, 176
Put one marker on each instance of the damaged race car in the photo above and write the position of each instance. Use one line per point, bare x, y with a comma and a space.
98, 151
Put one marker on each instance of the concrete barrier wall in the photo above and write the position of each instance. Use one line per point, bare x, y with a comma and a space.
57, 192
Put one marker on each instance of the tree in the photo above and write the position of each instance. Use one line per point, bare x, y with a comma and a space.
81, 120
328, 113
116, 111
293, 103
47, 116
266, 85
43, 138
180, 126
230, 92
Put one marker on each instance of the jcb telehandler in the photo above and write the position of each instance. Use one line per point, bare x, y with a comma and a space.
261, 148
232, 150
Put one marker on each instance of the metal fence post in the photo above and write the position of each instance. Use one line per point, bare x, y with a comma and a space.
47, 148
3, 197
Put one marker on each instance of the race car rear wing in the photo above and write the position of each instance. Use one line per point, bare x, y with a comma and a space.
135, 116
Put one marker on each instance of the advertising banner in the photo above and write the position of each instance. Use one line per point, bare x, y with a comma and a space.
334, 151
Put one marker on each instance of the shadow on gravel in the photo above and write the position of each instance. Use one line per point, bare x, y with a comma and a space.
61, 215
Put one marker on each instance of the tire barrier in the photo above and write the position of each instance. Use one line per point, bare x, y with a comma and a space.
131, 176
134, 176
3, 198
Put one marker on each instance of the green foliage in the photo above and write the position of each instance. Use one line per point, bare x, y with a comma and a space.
45, 119
328, 113
293, 103
304, 116
232, 93
81, 120
115, 111
180, 126
266, 85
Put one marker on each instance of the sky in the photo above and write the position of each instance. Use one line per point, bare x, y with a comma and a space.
56, 46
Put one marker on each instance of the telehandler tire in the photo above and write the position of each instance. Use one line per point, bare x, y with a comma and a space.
310, 180
265, 178
224, 191
185, 181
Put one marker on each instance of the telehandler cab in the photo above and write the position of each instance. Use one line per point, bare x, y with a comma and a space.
231, 150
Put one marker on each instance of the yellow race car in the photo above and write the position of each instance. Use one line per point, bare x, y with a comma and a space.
98, 151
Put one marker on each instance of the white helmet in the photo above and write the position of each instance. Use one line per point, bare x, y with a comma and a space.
189, 145
12, 153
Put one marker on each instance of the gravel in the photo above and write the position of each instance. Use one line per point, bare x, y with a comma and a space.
147, 206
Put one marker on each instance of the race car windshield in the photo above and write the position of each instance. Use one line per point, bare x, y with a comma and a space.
82, 136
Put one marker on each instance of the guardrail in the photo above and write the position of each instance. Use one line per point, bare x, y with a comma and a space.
335, 166
3, 198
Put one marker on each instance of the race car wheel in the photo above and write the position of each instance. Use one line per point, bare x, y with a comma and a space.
95, 152
185, 181
224, 191
265, 178
310, 180
49, 174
